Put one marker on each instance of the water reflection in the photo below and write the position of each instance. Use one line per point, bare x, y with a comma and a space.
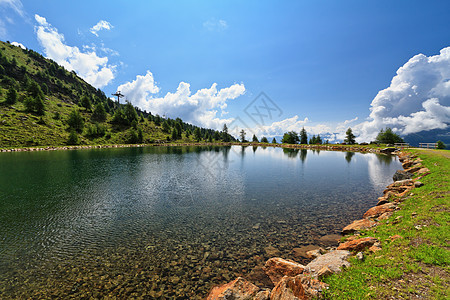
348, 156
291, 152
303, 153
168, 221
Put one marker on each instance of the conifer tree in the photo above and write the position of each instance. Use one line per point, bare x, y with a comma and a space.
11, 96
349, 137
303, 136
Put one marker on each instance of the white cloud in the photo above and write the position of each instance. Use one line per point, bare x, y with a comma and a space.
215, 25
100, 26
88, 65
16, 5
201, 108
18, 45
418, 98
5, 5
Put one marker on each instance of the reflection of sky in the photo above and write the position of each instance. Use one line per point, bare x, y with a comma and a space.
94, 198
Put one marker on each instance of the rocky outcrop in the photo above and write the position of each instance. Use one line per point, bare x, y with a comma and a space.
358, 244
358, 225
401, 175
334, 260
377, 211
288, 288
276, 268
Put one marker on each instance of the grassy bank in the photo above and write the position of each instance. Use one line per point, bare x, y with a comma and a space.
415, 263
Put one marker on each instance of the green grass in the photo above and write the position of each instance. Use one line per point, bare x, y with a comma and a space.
417, 263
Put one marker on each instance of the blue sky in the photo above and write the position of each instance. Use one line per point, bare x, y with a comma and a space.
322, 63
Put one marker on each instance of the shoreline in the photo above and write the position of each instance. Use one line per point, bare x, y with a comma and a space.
307, 282
327, 147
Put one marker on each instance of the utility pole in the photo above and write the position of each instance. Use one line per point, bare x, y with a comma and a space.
118, 95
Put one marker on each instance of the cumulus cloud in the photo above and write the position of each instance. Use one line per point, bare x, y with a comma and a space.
417, 99
18, 45
88, 65
204, 107
100, 26
215, 25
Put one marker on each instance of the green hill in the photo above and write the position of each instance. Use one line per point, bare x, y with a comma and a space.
43, 104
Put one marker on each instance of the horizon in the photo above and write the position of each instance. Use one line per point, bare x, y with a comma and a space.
259, 66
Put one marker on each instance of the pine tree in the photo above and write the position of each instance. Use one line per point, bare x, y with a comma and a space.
99, 113
290, 137
75, 121
197, 134
303, 136
349, 137
225, 136
255, 139
274, 141
11, 96
264, 140
242, 135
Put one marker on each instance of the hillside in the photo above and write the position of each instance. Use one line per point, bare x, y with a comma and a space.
43, 104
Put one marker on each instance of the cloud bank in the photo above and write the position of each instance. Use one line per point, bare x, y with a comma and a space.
88, 65
205, 107
417, 99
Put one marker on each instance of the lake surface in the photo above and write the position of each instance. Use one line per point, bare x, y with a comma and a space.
170, 222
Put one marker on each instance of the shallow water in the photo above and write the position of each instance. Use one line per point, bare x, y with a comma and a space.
170, 222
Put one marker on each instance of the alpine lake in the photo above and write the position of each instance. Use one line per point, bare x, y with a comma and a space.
170, 222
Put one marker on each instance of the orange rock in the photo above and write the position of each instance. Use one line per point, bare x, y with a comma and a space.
277, 267
288, 288
375, 248
313, 287
379, 210
414, 169
404, 193
423, 171
236, 289
358, 225
358, 245
385, 216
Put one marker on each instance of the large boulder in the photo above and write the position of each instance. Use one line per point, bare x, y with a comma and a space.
377, 211
358, 245
401, 175
238, 289
358, 225
334, 260
288, 288
277, 267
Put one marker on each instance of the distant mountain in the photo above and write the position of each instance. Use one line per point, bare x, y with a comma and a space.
430, 136
43, 104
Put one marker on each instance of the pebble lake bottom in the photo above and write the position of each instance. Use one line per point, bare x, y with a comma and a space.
170, 222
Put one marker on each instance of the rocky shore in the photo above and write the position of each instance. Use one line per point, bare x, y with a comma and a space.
294, 281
